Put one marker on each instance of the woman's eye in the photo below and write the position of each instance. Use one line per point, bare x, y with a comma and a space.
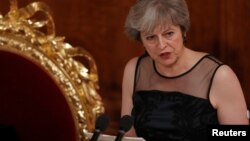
150, 37
169, 34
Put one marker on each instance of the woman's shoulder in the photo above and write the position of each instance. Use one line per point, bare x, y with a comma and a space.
131, 65
132, 62
226, 82
225, 73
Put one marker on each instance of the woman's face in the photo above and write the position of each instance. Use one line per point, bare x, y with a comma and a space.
164, 44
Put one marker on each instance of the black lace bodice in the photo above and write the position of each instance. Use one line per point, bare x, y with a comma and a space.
169, 108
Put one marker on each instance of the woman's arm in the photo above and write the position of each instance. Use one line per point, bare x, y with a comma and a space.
228, 98
127, 91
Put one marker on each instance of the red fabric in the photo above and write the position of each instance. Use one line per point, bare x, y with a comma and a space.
32, 103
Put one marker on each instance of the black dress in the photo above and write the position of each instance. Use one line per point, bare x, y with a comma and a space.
173, 108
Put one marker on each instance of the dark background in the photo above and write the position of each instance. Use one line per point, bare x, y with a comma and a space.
220, 27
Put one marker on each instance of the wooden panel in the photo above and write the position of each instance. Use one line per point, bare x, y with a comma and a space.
204, 31
234, 39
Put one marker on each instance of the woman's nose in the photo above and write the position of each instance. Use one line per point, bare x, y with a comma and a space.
162, 43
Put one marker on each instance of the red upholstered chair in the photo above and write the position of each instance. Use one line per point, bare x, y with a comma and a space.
46, 92
32, 103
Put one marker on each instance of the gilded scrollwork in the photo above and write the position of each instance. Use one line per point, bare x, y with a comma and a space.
19, 31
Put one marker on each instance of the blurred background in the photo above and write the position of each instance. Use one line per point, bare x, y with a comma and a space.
220, 27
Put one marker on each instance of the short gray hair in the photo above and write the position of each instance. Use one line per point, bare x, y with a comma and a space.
145, 15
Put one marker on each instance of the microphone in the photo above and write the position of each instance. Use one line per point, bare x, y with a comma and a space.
100, 125
126, 123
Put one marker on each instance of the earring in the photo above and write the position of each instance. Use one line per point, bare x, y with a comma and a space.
184, 38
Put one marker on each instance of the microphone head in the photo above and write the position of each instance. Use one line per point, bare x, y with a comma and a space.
126, 123
102, 122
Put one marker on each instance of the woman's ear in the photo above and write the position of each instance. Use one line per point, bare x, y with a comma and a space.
184, 38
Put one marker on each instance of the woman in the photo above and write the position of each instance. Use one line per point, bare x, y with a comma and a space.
171, 91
